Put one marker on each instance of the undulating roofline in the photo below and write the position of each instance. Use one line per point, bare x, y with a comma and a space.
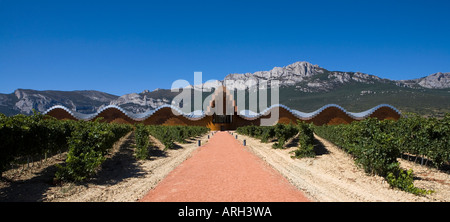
246, 114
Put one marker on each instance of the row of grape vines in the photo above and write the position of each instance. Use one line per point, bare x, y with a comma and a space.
376, 145
281, 133
22, 135
167, 135
86, 142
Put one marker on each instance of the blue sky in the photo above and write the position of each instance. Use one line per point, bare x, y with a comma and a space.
128, 46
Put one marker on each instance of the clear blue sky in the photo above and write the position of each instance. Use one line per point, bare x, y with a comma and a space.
127, 46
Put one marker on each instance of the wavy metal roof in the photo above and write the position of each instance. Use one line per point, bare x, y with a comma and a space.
134, 116
199, 114
308, 116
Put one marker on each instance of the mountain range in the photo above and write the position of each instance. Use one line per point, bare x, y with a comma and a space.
303, 86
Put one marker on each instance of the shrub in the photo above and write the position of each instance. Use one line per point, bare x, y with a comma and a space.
283, 132
88, 145
306, 140
141, 136
404, 180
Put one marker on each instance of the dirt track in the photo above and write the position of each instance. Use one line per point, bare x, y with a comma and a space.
222, 171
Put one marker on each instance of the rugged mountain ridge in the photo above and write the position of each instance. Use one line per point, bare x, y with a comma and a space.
25, 100
301, 77
288, 75
141, 102
312, 78
434, 81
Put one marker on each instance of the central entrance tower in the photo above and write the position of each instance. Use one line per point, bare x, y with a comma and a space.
223, 109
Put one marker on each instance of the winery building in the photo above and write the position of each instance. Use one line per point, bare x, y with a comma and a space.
170, 115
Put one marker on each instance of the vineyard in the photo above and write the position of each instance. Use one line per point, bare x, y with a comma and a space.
170, 134
86, 142
281, 133
28, 136
375, 145
167, 135
265, 133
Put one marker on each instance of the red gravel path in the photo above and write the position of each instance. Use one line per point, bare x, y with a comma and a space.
224, 171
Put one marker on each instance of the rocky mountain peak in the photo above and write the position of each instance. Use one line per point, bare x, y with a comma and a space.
303, 68
437, 80
19, 93
287, 75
